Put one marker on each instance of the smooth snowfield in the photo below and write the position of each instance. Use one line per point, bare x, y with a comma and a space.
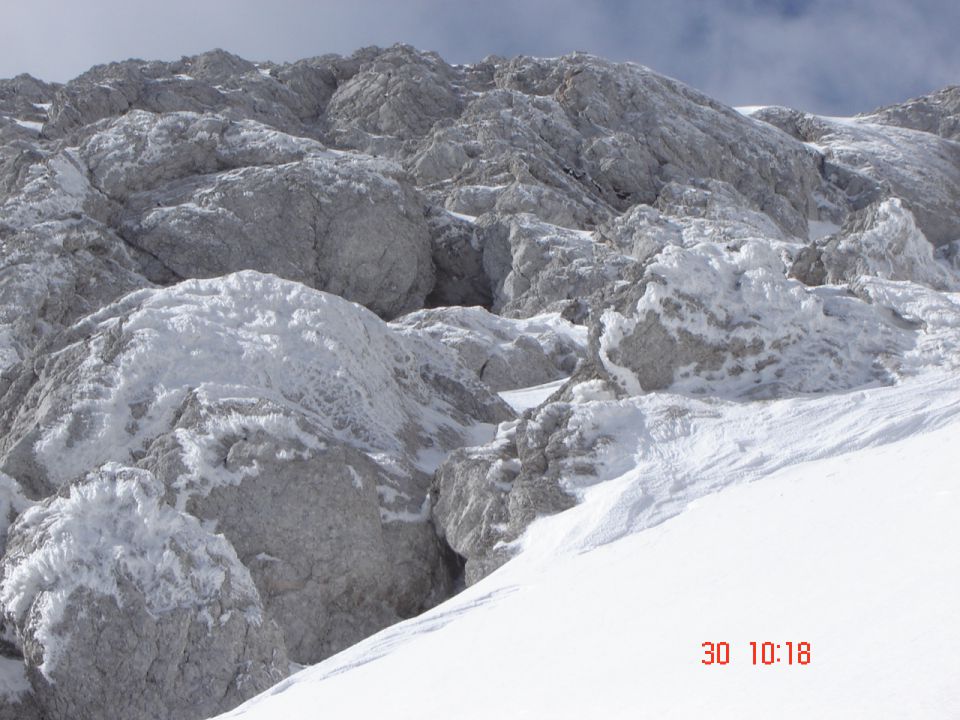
855, 552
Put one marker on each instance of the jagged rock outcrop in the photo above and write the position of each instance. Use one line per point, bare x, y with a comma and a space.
869, 162
251, 392
23, 108
883, 241
505, 354
937, 113
535, 267
25, 97
291, 98
693, 325
400, 93
485, 497
105, 570
578, 139
203, 196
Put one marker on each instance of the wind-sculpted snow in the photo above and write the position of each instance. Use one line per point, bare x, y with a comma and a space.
713, 321
107, 553
617, 467
848, 532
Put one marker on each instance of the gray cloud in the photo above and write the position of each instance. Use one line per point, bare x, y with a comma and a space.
835, 56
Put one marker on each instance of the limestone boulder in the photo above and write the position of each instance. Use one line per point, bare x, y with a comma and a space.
107, 565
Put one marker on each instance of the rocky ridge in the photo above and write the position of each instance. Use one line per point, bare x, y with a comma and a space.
254, 318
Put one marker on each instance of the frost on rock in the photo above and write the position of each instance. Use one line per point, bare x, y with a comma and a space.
12, 503
726, 321
535, 267
870, 162
153, 198
938, 113
881, 241
124, 373
266, 407
485, 497
58, 261
577, 140
143, 150
107, 565
290, 99
16, 695
671, 257
204, 196
400, 93
505, 354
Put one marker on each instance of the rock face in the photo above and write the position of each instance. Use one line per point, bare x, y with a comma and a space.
505, 354
535, 267
937, 113
883, 241
858, 153
299, 402
58, 261
153, 198
203, 196
485, 497
578, 139
291, 98
176, 365
399, 93
106, 555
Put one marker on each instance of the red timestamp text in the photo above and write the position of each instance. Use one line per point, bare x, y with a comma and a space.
761, 653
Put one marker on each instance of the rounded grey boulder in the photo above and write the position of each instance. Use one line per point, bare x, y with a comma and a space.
125, 607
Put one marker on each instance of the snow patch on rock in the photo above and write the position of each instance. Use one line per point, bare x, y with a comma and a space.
246, 338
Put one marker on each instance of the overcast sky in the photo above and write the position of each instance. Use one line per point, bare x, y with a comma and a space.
828, 56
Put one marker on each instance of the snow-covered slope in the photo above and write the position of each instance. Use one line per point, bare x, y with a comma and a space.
855, 553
